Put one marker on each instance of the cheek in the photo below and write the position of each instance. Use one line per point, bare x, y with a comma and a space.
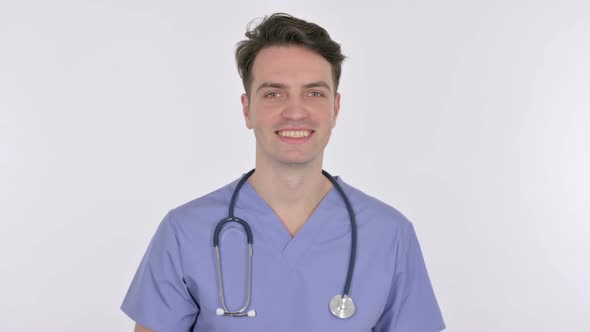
263, 119
328, 115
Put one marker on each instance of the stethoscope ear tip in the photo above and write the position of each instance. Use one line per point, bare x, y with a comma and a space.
221, 312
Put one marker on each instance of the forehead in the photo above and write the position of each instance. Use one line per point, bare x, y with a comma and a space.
290, 65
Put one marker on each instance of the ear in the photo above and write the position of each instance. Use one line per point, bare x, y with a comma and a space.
336, 109
246, 110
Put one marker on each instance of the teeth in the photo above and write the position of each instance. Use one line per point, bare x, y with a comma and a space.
294, 133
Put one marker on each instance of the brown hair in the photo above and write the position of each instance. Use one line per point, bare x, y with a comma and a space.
282, 29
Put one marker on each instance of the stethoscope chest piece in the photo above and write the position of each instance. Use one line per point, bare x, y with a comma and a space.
342, 306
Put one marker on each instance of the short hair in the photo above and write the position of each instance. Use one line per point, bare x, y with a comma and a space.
282, 29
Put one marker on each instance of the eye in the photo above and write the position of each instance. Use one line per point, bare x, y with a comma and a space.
316, 94
272, 94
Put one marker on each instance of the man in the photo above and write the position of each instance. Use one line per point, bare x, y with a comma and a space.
302, 236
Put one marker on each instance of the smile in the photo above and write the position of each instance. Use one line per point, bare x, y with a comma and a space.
294, 133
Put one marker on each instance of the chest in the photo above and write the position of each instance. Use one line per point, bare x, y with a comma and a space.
291, 286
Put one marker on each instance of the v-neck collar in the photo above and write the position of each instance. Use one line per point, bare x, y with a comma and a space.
291, 248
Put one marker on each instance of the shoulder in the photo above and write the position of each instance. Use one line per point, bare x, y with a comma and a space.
203, 210
370, 209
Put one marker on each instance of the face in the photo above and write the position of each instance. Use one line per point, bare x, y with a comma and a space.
292, 106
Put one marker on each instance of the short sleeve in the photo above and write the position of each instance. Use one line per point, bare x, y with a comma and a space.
158, 297
412, 305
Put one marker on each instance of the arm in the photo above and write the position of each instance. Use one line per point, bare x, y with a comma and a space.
158, 296
412, 305
139, 328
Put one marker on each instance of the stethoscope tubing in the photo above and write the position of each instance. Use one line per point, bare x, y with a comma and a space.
248, 230
353, 234
250, 240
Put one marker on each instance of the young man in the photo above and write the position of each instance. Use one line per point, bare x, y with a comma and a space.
305, 235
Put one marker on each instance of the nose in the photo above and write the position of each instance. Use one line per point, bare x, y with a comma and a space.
295, 109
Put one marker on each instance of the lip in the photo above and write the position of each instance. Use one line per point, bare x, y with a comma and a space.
292, 140
294, 129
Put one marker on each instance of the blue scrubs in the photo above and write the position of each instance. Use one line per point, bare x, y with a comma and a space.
293, 278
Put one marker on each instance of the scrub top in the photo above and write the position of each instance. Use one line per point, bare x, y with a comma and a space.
175, 288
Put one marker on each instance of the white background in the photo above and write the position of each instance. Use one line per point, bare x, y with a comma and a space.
470, 117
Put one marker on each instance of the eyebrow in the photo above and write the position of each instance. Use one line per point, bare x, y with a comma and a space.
318, 84
271, 85
284, 86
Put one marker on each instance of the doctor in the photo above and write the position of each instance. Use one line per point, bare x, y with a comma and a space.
300, 224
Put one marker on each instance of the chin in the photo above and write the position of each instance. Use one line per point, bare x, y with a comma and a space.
297, 161
289, 158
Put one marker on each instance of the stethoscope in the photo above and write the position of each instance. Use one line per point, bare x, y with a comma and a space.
341, 305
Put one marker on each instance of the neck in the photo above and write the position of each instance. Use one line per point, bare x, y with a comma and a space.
291, 187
